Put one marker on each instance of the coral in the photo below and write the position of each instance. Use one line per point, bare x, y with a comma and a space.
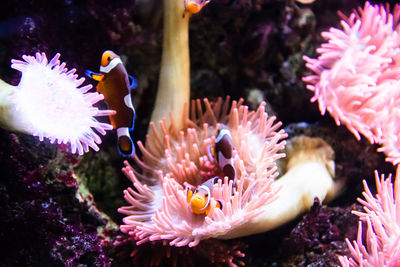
49, 103
173, 159
381, 215
356, 75
253, 45
320, 234
102, 182
210, 252
42, 222
315, 240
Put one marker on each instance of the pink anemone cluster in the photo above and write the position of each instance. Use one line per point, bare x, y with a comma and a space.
382, 218
357, 76
175, 158
53, 105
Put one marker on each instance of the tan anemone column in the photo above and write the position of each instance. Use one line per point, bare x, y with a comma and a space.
10, 117
174, 80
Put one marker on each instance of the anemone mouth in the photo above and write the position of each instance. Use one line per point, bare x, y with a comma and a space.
174, 158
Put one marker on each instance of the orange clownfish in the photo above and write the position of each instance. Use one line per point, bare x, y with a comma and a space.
115, 84
222, 152
200, 199
194, 6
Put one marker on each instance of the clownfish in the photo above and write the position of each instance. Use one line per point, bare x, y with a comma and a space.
222, 152
116, 85
194, 6
199, 200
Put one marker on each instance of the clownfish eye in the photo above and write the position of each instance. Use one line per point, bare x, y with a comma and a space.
206, 195
109, 58
196, 191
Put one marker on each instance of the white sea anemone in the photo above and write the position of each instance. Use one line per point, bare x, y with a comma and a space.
49, 103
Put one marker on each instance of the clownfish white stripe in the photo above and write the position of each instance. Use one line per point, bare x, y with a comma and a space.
111, 65
222, 161
121, 131
221, 134
128, 101
208, 198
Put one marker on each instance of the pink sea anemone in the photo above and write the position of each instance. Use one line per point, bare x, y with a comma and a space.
51, 104
356, 77
382, 217
390, 140
173, 158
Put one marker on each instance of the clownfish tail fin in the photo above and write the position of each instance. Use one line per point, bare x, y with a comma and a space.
95, 76
125, 144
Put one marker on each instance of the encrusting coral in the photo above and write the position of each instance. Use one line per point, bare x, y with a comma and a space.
49, 103
382, 217
174, 159
356, 77
209, 252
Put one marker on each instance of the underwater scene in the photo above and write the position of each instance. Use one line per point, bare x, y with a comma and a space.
200, 133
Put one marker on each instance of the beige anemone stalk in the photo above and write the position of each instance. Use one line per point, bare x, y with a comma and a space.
174, 80
11, 119
173, 158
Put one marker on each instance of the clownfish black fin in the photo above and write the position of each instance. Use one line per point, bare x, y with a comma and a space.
126, 148
189, 194
95, 76
133, 81
219, 204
